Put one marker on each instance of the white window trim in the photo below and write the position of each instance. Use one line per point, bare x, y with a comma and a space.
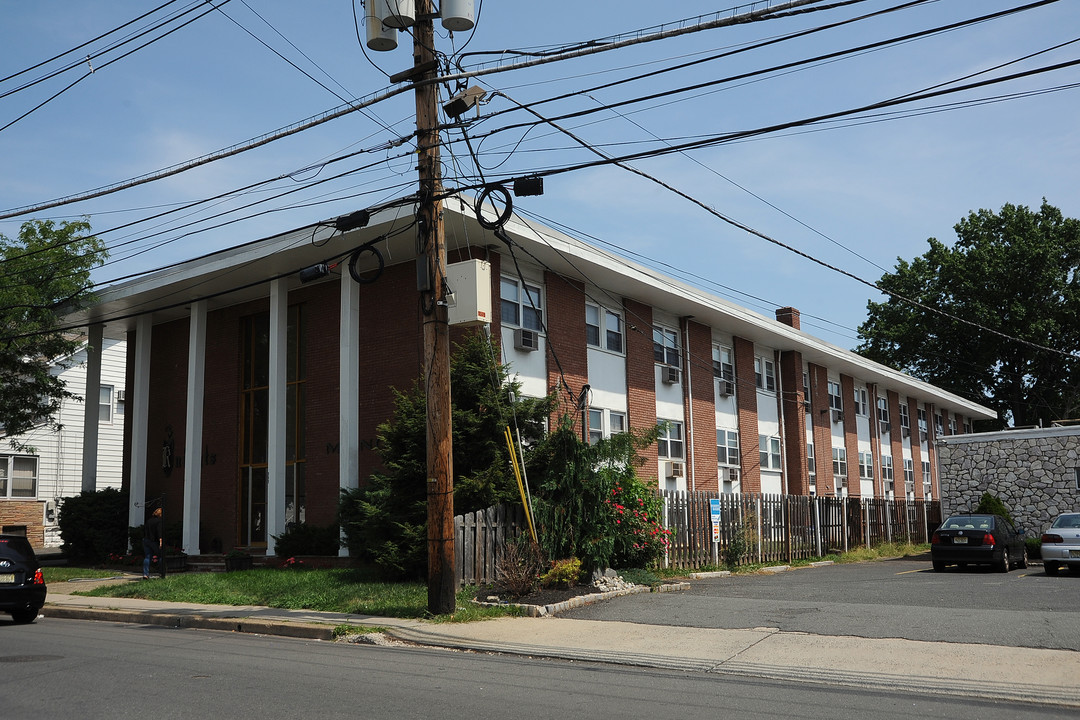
602, 313
765, 373
106, 391
770, 449
8, 460
523, 303
836, 400
728, 435
606, 424
666, 439
862, 400
669, 351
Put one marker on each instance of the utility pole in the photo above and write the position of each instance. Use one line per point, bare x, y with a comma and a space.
431, 232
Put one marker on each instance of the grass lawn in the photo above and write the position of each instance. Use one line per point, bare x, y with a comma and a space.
328, 590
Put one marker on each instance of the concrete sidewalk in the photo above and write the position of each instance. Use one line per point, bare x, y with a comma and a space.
984, 671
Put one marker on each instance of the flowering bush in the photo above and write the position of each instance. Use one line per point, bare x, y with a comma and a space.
563, 573
640, 537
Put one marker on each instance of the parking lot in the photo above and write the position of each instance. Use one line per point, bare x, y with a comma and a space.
891, 598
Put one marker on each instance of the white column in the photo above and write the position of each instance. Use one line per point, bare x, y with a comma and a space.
139, 419
275, 471
193, 435
348, 391
91, 408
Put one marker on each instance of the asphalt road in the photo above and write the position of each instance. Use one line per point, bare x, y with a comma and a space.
89, 670
890, 599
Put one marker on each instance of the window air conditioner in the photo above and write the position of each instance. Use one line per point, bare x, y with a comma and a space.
121, 395
675, 470
906, 432
669, 374
837, 415
725, 388
528, 340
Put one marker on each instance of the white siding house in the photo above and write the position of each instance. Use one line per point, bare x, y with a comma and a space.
34, 480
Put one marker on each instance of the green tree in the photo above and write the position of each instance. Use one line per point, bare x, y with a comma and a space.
1016, 272
43, 274
591, 505
385, 520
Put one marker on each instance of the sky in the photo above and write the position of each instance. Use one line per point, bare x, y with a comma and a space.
853, 194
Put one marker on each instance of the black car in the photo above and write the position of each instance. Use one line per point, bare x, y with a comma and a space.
22, 588
978, 539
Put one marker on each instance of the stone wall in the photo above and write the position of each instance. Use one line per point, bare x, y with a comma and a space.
1034, 472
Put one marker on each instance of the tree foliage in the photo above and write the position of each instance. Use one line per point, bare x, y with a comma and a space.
1016, 272
385, 521
45, 273
591, 505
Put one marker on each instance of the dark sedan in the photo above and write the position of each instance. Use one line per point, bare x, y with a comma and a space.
977, 539
22, 588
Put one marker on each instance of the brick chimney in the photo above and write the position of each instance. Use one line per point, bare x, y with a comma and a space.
788, 316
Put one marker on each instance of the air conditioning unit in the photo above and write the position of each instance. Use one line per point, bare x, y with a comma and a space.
675, 470
669, 374
906, 432
528, 340
837, 415
725, 388
121, 395
885, 427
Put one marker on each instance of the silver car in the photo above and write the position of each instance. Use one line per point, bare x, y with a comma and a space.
1061, 544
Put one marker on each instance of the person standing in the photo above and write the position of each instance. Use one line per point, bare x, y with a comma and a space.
152, 543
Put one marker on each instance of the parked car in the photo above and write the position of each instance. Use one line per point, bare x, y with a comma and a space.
1060, 544
22, 588
978, 539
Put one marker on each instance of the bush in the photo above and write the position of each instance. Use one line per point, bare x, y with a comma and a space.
563, 573
519, 568
93, 525
304, 539
1034, 547
590, 504
992, 504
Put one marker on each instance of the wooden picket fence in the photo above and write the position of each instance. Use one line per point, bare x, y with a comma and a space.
755, 528
480, 538
752, 528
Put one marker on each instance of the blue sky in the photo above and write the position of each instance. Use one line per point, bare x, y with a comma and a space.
855, 194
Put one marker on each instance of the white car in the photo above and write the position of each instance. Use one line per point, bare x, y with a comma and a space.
1060, 544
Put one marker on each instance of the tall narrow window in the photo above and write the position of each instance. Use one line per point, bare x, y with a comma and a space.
105, 406
727, 447
769, 451
905, 417
836, 401
883, 414
666, 346
839, 464
765, 374
255, 424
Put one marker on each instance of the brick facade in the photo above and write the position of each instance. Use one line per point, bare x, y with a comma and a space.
24, 515
641, 379
700, 404
746, 398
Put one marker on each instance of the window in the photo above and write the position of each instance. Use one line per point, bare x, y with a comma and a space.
521, 304
967, 426
18, 476
905, 418
727, 447
604, 424
952, 426
887, 472
765, 374
723, 364
806, 388
839, 462
670, 443
927, 484
105, 393
811, 465
835, 401
922, 421
939, 427
866, 466
883, 414
861, 402
603, 328
665, 346
770, 452
909, 475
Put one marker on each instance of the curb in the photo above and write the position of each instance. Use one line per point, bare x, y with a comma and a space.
583, 600
304, 631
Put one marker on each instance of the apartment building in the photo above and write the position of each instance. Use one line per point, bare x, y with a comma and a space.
258, 375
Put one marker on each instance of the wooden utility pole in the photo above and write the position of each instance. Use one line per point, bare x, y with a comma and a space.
440, 470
